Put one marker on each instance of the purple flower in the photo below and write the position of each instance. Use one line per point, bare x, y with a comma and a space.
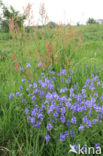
62, 118
54, 78
84, 119
75, 86
63, 72
21, 68
71, 92
68, 123
63, 90
28, 65
97, 145
50, 86
49, 127
83, 91
75, 147
11, 95
88, 124
47, 138
73, 120
49, 96
58, 74
33, 113
43, 84
81, 128
26, 110
63, 110
72, 133
38, 123
34, 85
21, 87
101, 98
62, 137
32, 120
41, 93
17, 94
55, 114
68, 80
66, 134
34, 97
30, 85
23, 80
98, 83
62, 80
94, 121
39, 64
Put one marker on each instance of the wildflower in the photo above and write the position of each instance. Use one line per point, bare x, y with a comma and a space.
63, 90
27, 89
68, 80
71, 92
94, 121
39, 64
68, 123
43, 84
73, 120
28, 65
63, 110
23, 80
34, 97
96, 94
41, 93
17, 94
54, 78
32, 120
62, 80
62, 118
75, 147
26, 110
11, 95
35, 91
30, 85
75, 86
47, 138
101, 98
21, 87
49, 127
21, 69
88, 124
50, 86
66, 134
33, 113
62, 137
58, 74
84, 119
98, 83
55, 114
35, 85
63, 72
83, 91
38, 123
72, 133
81, 128
49, 96
97, 145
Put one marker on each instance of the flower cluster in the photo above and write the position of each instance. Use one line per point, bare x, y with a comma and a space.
63, 109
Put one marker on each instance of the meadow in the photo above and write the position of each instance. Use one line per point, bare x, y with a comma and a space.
51, 90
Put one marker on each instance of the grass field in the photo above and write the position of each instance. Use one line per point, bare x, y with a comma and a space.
76, 53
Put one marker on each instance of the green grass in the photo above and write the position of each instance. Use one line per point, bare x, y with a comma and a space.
16, 136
